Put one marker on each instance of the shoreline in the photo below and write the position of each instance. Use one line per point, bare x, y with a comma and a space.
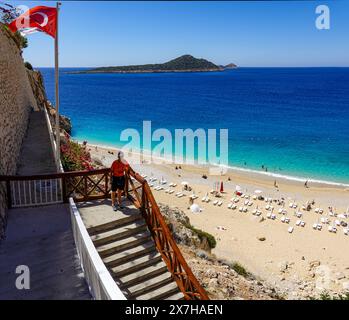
235, 169
295, 263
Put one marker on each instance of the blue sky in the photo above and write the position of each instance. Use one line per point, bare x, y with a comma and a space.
275, 33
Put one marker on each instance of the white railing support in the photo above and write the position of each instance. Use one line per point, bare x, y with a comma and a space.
101, 284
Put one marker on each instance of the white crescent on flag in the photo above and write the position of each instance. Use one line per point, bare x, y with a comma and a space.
39, 18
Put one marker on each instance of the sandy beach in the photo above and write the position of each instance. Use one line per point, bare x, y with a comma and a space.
301, 263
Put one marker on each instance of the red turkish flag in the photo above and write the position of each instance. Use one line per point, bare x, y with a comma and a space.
36, 19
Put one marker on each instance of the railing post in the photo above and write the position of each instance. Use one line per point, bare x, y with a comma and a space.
106, 185
9, 196
85, 188
143, 211
127, 177
64, 189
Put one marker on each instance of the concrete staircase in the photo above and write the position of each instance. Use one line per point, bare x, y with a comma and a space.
128, 251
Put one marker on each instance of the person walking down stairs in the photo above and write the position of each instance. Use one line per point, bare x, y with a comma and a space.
118, 171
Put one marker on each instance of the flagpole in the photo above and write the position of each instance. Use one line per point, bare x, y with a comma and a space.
58, 137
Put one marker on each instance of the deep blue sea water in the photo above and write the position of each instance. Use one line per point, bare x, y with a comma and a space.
295, 121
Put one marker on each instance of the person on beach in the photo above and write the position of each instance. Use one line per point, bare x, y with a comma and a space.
118, 171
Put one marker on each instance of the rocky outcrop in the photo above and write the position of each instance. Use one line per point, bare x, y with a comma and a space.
219, 278
37, 83
64, 122
230, 66
181, 229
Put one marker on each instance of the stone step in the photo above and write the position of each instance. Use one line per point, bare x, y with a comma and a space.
142, 275
113, 224
134, 266
146, 250
119, 246
161, 293
176, 296
120, 234
153, 284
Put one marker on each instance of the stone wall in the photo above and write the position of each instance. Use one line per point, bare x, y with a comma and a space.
16, 102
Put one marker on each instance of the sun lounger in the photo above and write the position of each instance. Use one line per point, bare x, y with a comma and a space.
332, 229
324, 220
290, 229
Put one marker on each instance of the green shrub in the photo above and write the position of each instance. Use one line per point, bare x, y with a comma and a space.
28, 65
239, 269
203, 235
327, 296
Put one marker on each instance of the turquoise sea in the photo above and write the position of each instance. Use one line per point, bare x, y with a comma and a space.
294, 121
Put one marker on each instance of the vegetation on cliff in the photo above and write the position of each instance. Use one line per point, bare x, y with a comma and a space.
185, 63
75, 157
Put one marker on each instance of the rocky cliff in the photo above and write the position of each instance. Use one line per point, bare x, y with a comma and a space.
21, 91
221, 279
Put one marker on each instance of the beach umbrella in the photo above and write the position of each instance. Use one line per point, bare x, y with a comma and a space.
238, 188
222, 189
195, 208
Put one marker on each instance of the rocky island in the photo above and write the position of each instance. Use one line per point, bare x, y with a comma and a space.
185, 63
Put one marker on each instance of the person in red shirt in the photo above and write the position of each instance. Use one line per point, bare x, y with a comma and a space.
118, 170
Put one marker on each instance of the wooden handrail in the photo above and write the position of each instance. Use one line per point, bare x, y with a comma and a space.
55, 175
179, 268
